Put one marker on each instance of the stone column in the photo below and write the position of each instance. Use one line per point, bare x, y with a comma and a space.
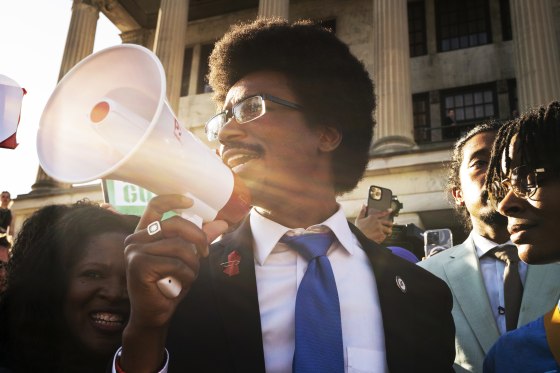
391, 75
79, 44
170, 44
279, 8
536, 52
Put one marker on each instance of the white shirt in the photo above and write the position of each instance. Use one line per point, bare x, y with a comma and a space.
279, 271
492, 271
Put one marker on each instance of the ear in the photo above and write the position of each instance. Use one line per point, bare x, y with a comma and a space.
458, 197
329, 139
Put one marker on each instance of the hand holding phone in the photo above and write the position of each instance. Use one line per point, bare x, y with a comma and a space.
379, 199
437, 240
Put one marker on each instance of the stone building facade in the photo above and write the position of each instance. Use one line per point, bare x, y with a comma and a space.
481, 58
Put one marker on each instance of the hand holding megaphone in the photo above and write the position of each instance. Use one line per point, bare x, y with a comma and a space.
108, 118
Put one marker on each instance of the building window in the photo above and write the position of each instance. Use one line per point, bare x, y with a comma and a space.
417, 28
505, 15
202, 85
187, 65
202, 82
512, 98
462, 24
464, 107
421, 117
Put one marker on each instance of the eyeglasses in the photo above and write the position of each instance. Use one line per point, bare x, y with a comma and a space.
244, 111
524, 182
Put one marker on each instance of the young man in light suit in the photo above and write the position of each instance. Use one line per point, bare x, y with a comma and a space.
474, 277
296, 127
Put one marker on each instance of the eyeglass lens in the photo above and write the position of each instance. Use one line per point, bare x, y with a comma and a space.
244, 111
523, 181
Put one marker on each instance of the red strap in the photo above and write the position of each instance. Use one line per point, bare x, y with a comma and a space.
552, 328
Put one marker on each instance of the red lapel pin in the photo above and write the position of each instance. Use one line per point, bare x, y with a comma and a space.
231, 267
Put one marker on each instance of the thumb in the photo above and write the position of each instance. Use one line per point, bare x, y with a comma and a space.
362, 212
214, 229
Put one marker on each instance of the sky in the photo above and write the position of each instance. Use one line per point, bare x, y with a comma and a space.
32, 39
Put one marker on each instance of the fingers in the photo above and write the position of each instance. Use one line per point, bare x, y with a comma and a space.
175, 226
159, 205
382, 214
214, 229
362, 212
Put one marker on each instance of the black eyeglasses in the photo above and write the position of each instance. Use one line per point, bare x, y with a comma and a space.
244, 111
523, 181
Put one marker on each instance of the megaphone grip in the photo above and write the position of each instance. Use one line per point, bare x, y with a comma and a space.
169, 286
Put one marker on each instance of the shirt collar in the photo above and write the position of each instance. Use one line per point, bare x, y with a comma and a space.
267, 233
483, 244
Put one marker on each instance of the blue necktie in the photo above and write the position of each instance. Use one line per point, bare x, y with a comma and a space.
318, 346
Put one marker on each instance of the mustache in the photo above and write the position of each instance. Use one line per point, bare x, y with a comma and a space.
255, 148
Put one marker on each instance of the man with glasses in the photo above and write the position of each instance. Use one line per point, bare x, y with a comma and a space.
485, 306
524, 183
295, 287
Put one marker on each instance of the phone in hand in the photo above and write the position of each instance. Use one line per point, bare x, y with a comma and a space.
379, 199
437, 240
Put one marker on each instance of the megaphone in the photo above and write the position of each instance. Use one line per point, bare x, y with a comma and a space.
109, 118
11, 96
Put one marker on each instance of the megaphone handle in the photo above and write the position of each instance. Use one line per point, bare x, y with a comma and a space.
170, 286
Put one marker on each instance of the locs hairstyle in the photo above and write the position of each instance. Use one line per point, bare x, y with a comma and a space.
538, 138
453, 179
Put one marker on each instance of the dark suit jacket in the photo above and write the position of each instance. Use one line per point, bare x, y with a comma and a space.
217, 326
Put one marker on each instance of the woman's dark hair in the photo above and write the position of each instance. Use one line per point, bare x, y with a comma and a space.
50, 242
330, 83
537, 142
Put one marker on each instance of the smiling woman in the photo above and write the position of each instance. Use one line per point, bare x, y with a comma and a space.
66, 304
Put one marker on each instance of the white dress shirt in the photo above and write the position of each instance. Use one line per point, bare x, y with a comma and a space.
279, 270
492, 271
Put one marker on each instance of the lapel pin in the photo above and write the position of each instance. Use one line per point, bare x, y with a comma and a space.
231, 267
400, 284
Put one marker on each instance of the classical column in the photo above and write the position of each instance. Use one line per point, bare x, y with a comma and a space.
279, 8
170, 44
392, 76
79, 44
536, 52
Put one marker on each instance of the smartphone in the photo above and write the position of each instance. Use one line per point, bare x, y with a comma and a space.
437, 240
379, 199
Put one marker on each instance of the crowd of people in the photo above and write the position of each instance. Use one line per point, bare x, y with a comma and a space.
295, 287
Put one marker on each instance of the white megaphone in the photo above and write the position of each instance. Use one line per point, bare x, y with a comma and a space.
109, 118
11, 96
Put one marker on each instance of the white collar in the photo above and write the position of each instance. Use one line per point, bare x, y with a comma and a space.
483, 244
267, 233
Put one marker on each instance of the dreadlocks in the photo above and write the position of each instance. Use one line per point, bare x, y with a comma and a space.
453, 179
537, 142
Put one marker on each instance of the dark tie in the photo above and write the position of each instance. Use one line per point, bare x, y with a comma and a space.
318, 332
513, 288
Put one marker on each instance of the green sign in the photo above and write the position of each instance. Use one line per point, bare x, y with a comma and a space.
125, 197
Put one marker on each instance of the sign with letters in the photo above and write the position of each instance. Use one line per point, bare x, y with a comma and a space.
125, 197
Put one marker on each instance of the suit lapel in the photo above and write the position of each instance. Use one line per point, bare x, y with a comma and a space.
237, 299
465, 280
541, 291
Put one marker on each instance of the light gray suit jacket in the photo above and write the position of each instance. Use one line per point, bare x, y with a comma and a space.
475, 327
